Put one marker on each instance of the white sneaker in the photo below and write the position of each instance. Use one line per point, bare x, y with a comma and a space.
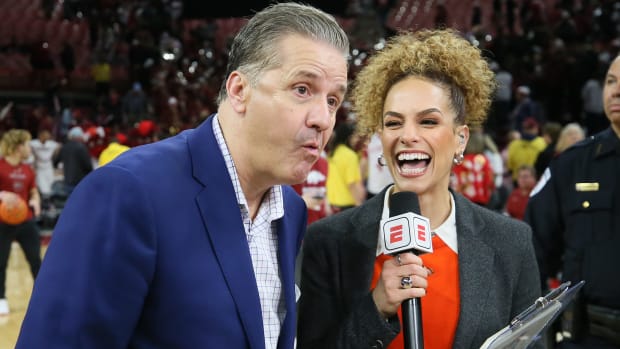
4, 307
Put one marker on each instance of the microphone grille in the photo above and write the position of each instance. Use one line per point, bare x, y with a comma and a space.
403, 202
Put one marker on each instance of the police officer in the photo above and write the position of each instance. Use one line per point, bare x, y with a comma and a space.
574, 212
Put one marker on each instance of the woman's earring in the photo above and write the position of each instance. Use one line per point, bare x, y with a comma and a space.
458, 159
381, 160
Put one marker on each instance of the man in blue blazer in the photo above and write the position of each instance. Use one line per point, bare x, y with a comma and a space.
190, 242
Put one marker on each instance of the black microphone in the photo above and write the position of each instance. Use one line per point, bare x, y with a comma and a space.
407, 231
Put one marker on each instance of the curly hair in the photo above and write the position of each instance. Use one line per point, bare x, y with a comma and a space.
442, 56
12, 139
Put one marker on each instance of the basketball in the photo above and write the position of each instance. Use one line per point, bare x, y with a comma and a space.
13, 209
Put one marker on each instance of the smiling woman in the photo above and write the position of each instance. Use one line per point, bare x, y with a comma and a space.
420, 95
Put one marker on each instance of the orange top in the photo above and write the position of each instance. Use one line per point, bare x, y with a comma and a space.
440, 306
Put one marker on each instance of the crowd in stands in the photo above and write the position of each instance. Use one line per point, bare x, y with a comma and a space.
152, 70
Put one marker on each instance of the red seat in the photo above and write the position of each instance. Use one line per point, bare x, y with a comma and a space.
35, 31
51, 29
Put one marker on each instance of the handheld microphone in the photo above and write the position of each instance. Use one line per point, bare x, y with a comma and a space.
407, 231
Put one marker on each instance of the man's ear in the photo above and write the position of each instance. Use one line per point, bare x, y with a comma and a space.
237, 88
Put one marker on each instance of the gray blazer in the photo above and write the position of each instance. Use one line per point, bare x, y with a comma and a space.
498, 277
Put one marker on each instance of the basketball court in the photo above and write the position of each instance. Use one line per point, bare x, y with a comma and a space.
18, 290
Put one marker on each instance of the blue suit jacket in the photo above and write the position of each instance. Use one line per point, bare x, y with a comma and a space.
150, 252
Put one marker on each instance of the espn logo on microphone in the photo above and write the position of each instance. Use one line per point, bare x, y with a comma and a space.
405, 232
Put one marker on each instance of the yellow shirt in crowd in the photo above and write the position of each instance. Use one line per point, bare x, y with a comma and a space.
111, 151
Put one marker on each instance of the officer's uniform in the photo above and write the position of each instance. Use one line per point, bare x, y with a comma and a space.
574, 212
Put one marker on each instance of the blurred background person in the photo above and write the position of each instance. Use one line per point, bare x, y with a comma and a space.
136, 105
117, 146
568, 135
75, 159
498, 122
525, 107
525, 150
314, 191
495, 158
517, 200
43, 149
345, 186
571, 133
473, 176
550, 133
592, 101
18, 178
101, 73
500, 193
512, 136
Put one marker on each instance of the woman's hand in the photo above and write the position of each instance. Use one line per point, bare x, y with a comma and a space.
392, 290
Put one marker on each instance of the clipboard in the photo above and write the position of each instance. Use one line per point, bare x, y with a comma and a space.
525, 328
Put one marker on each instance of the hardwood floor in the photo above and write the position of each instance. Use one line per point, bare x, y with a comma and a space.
18, 290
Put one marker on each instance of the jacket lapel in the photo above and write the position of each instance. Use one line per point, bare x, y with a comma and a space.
224, 227
475, 265
288, 243
360, 257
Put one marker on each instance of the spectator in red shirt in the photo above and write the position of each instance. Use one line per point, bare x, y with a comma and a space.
313, 191
517, 201
17, 177
473, 176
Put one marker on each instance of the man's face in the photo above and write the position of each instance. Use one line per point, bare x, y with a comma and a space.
611, 95
526, 179
291, 112
44, 136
